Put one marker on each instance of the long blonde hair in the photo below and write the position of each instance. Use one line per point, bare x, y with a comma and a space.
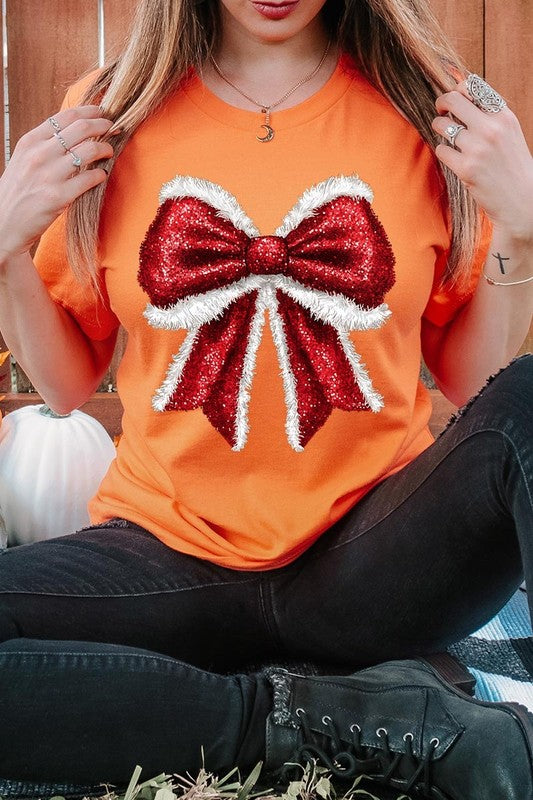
397, 44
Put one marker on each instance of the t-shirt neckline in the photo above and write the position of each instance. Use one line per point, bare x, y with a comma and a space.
232, 116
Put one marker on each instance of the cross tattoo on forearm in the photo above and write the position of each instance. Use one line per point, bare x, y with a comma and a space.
500, 259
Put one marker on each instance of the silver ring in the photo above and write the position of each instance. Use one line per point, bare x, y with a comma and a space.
64, 145
453, 131
76, 160
483, 95
54, 123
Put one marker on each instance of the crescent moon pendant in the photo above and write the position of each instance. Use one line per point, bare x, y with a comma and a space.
268, 136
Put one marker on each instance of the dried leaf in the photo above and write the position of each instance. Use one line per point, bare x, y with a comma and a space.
323, 788
294, 789
3, 358
165, 794
316, 783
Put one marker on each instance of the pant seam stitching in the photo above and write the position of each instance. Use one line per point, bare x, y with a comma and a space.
519, 461
415, 488
10, 592
61, 653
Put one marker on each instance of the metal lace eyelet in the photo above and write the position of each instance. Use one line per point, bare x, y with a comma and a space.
382, 732
300, 711
355, 727
435, 741
326, 719
408, 737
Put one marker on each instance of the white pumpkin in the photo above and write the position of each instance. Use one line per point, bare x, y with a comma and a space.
50, 467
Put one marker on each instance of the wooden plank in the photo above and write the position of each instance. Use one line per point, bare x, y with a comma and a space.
509, 56
5, 372
509, 68
118, 15
463, 23
104, 406
2, 100
49, 46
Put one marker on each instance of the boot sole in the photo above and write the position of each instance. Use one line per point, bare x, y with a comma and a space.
452, 670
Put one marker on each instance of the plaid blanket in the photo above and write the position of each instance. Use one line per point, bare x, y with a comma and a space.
499, 655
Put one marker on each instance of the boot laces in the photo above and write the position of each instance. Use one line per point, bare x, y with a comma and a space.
380, 763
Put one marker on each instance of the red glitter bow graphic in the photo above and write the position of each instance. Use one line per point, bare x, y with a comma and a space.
324, 273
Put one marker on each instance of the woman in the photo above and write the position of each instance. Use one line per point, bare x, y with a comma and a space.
276, 494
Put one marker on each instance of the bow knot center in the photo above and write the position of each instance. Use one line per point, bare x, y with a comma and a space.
266, 254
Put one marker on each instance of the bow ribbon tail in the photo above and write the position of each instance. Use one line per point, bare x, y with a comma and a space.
212, 370
320, 368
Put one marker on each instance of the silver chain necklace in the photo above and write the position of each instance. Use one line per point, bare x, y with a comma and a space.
267, 107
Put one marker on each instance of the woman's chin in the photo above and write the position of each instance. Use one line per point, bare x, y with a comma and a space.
271, 20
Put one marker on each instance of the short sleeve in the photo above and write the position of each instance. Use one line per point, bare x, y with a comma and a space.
91, 311
446, 301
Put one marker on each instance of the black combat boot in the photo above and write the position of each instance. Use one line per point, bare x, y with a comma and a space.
403, 725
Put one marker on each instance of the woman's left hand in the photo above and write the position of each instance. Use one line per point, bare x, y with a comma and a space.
491, 158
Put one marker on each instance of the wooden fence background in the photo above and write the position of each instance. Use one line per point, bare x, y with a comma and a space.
49, 43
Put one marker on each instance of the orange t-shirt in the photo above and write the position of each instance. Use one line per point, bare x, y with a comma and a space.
274, 297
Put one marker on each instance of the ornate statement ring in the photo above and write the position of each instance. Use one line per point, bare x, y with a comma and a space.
483, 95
453, 131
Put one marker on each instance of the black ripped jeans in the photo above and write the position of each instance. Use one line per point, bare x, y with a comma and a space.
117, 650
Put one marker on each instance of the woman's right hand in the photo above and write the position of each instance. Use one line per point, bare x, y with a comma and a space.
41, 179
